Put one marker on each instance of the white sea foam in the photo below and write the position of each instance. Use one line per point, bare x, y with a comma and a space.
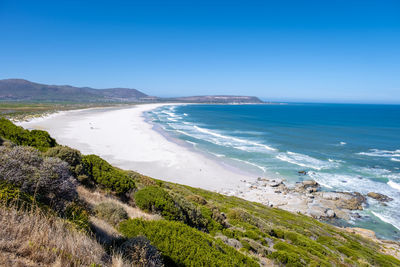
381, 153
343, 143
394, 159
306, 161
378, 172
336, 160
185, 133
217, 155
387, 219
252, 164
333, 180
238, 140
394, 185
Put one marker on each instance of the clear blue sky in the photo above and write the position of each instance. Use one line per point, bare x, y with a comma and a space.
340, 51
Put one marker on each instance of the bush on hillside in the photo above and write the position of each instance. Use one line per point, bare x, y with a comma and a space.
10, 194
157, 200
191, 214
139, 251
184, 245
245, 217
18, 135
77, 214
197, 199
173, 206
111, 212
48, 179
72, 156
109, 177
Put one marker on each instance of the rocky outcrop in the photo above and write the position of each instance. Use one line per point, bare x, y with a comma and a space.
379, 197
230, 241
305, 197
345, 200
308, 186
361, 231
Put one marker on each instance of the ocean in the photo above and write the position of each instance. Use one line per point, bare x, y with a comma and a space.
344, 147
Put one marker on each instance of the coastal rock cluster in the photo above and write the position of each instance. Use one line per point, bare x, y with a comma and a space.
307, 197
379, 197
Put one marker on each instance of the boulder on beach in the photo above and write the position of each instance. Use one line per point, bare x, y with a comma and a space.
307, 186
316, 211
379, 197
345, 200
351, 201
275, 183
330, 213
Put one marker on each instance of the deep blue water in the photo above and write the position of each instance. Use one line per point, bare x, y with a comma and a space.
341, 146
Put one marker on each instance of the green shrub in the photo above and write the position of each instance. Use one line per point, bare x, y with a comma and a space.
155, 199
245, 217
185, 246
78, 215
255, 247
197, 199
18, 135
142, 180
111, 212
175, 207
10, 194
140, 252
72, 156
191, 214
109, 177
290, 259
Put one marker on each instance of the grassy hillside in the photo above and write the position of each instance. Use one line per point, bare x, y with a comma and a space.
128, 218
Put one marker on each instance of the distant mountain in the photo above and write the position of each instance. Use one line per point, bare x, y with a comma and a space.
23, 90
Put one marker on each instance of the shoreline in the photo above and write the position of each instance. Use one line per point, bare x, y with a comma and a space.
124, 138
127, 139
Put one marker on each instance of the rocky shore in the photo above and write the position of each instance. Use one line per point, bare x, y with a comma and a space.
306, 197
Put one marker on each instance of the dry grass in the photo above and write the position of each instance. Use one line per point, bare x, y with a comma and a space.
95, 198
105, 232
119, 261
32, 239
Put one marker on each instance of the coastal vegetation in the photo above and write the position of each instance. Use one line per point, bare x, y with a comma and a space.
148, 222
19, 136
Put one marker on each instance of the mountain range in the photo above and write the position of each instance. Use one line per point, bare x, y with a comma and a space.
23, 90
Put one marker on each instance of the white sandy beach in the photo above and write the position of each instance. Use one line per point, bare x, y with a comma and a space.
125, 139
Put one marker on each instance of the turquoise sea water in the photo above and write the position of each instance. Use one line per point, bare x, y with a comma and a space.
343, 147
